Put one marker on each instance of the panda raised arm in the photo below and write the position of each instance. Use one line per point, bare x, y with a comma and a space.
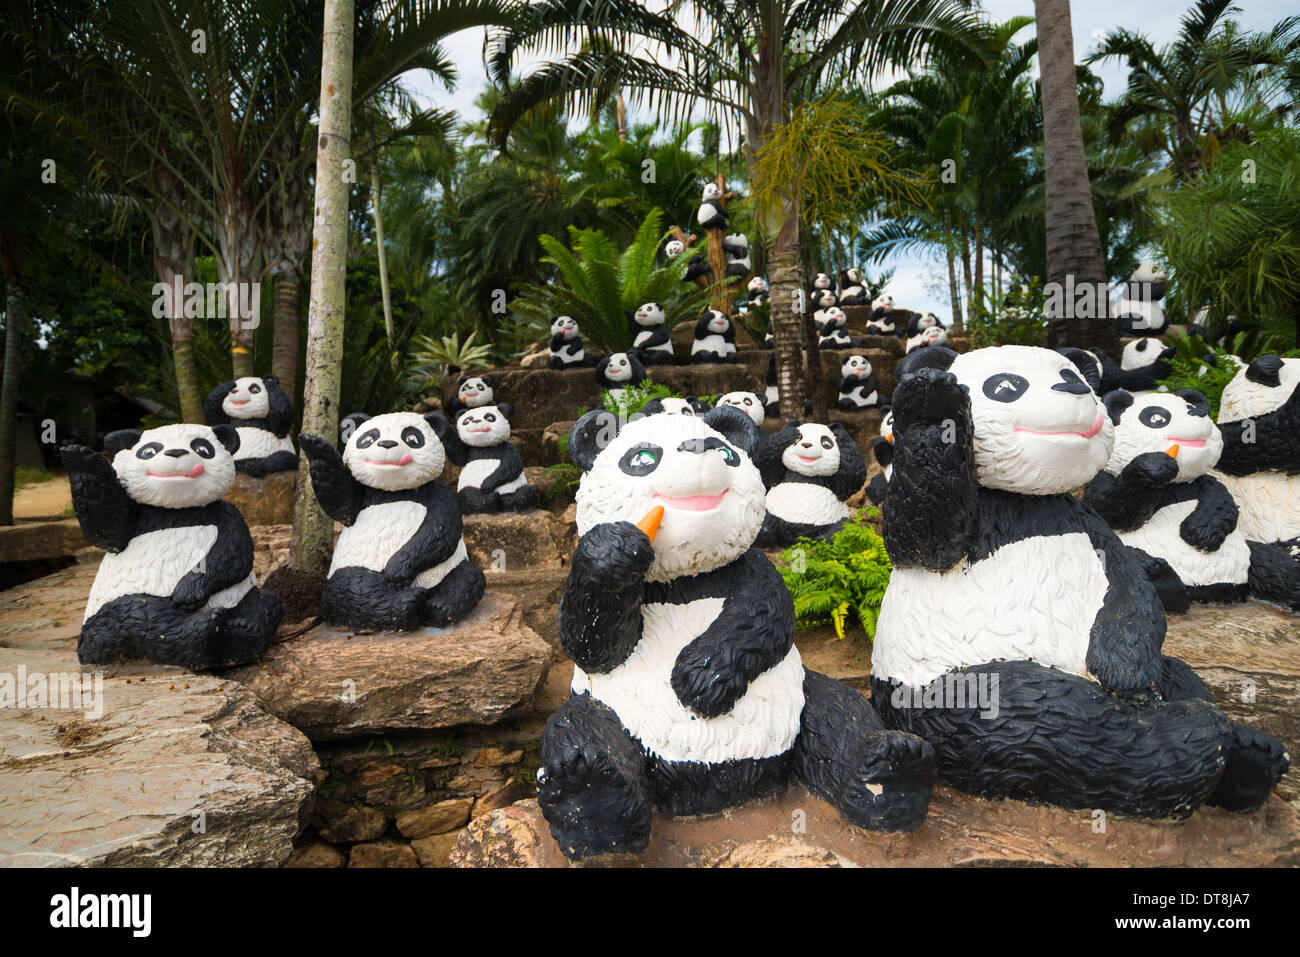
337, 491
106, 512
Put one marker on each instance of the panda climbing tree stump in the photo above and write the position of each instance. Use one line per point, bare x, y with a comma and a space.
723, 296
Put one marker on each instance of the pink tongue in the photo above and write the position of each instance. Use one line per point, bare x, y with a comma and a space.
405, 459
196, 471
694, 503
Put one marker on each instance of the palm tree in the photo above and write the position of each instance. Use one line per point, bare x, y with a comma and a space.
754, 59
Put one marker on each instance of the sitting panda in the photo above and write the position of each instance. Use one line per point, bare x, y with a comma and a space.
757, 291
473, 392
882, 447
1138, 312
810, 470
857, 387
566, 345
688, 692
1142, 362
929, 336
674, 405
262, 415
491, 471
618, 371
715, 338
400, 563
919, 323
823, 302
880, 322
833, 333
736, 248
712, 213
751, 403
820, 283
1003, 580
650, 335
852, 291
177, 585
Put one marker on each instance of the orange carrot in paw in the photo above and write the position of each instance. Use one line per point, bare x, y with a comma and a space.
1172, 451
650, 523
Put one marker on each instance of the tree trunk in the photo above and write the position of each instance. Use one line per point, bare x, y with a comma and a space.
965, 269
171, 262
1074, 254
313, 530
9, 395
954, 290
621, 117
977, 292
383, 255
236, 267
284, 349
787, 315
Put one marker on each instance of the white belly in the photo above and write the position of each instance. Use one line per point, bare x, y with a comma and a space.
805, 503
857, 398
475, 473
1035, 599
763, 723
1269, 503
260, 444
154, 563
1159, 537
710, 343
432, 576
377, 534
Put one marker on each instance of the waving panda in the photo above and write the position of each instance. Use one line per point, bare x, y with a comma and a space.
177, 585
810, 470
688, 693
1002, 580
492, 472
400, 562
262, 415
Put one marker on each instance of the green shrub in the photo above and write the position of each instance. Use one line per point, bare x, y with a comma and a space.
634, 398
1021, 321
25, 475
1191, 371
831, 580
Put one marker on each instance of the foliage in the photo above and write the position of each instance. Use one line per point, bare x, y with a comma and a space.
432, 359
831, 580
634, 398
755, 320
1022, 319
25, 475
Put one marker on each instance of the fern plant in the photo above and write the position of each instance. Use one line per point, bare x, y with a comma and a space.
633, 399
833, 580
437, 359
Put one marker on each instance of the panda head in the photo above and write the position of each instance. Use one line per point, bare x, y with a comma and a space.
853, 276
711, 193
884, 302
565, 326
618, 368
834, 316
822, 281
248, 398
649, 314
757, 285
1039, 429
484, 427
1144, 352
674, 248
1157, 422
717, 321
672, 405
395, 451
474, 391
815, 453
931, 336
175, 466
856, 367
928, 321
825, 299
1259, 388
737, 239
698, 468
887, 424
751, 403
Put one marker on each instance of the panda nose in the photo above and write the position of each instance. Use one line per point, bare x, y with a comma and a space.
386, 444
806, 445
175, 453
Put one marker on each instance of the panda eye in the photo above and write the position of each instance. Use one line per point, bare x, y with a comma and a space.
254, 389
729, 455
640, 460
412, 437
203, 447
149, 451
1154, 417
1005, 386
489, 417
367, 438
827, 443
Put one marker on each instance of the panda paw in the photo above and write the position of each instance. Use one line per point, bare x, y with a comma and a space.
1152, 468
616, 550
929, 396
80, 458
316, 447
1205, 536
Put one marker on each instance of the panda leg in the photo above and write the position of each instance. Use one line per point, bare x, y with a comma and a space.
356, 597
250, 626
1275, 572
775, 533
475, 501
282, 461
1179, 682
1045, 735
1173, 593
877, 487
454, 597
875, 777
593, 785
152, 627
520, 500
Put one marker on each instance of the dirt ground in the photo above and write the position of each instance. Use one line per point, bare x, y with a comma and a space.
43, 500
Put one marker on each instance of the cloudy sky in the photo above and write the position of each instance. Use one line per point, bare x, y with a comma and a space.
920, 284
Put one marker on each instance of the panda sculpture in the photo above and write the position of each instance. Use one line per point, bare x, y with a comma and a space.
674, 248
1007, 589
882, 447
736, 248
928, 336
566, 345
688, 693
833, 333
618, 371
650, 335
1138, 312
491, 470
715, 338
1142, 363
823, 302
262, 415
857, 386
771, 392
473, 392
400, 562
880, 322
712, 213
675, 405
852, 291
919, 323
810, 471
177, 585
822, 282
757, 291
751, 403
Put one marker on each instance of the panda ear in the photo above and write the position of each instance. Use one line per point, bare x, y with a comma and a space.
349, 424
122, 439
1265, 371
441, 427
271, 380
1084, 362
1116, 401
228, 436
1197, 404
506, 410
738, 427
590, 435
931, 357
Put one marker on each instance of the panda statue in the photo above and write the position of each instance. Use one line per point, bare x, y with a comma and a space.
715, 338
1138, 312
1007, 589
810, 471
650, 339
751, 403
674, 248
1142, 363
757, 291
852, 291
400, 562
736, 248
822, 303
491, 471
712, 213
857, 387
771, 392
1259, 418
1158, 494
566, 345
688, 693
619, 371
882, 447
919, 323
822, 282
832, 331
929, 336
674, 405
262, 415
473, 392
880, 322
177, 585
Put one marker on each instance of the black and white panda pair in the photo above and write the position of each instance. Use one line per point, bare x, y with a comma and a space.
857, 386
1018, 634
688, 692
177, 585
262, 414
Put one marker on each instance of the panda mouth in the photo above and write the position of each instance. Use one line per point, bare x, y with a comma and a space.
478, 431
693, 503
192, 473
805, 459
1096, 427
1189, 443
240, 401
404, 460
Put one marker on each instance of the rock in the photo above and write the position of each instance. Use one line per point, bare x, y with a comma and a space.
706, 379
498, 797
316, 854
536, 360
382, 854
512, 540
495, 757
334, 683
265, 501
436, 819
551, 436
354, 824
542, 395
35, 541
959, 831
435, 850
